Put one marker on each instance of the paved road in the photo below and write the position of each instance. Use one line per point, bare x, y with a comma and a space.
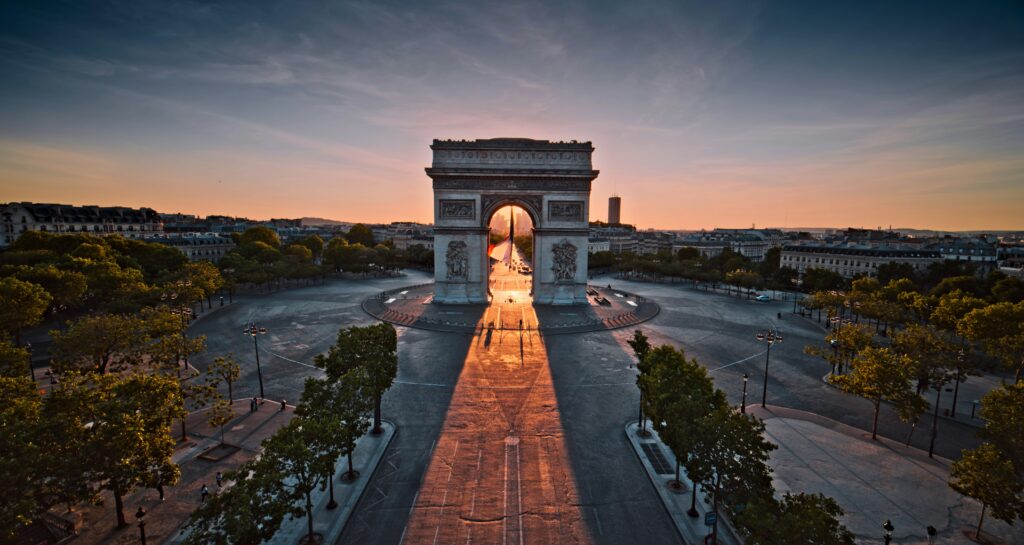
719, 331
593, 387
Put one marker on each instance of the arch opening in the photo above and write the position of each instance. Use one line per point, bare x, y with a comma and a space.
510, 271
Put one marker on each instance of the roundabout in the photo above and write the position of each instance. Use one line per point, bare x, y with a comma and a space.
606, 309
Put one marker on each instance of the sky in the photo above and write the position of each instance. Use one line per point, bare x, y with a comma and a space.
703, 114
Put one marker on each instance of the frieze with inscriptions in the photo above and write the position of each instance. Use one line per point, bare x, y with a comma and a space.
507, 184
457, 209
565, 210
511, 157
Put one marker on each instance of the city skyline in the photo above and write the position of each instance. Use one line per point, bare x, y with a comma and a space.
725, 115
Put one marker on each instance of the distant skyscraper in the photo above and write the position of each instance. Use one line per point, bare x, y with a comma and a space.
614, 209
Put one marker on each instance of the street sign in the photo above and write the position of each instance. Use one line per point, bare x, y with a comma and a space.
709, 519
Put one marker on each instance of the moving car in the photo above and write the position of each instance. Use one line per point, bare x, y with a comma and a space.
763, 298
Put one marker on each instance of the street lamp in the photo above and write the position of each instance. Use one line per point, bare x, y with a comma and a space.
771, 337
888, 527
31, 370
141, 514
743, 405
255, 331
834, 343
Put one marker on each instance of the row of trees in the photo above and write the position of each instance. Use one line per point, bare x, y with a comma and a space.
728, 267
300, 458
725, 453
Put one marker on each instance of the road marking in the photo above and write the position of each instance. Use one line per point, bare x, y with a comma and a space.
444, 499
472, 503
432, 384
293, 361
389, 301
736, 362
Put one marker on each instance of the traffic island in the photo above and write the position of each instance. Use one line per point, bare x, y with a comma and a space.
677, 496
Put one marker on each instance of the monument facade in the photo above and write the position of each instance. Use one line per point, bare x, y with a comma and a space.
473, 179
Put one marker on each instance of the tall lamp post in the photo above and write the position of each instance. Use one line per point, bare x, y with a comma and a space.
743, 405
141, 515
771, 337
888, 527
255, 331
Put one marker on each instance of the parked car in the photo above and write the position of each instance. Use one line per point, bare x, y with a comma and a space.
763, 298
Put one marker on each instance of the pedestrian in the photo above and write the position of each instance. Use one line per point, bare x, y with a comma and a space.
160, 490
204, 492
255, 404
219, 478
282, 404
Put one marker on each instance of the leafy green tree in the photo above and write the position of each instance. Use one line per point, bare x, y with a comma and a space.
248, 512
22, 305
641, 347
25, 455
1002, 410
128, 427
13, 360
299, 251
1008, 290
373, 348
880, 373
680, 398
66, 287
360, 234
841, 343
99, 344
887, 272
1000, 329
303, 451
226, 369
264, 235
817, 279
314, 243
796, 518
343, 405
730, 461
219, 415
985, 475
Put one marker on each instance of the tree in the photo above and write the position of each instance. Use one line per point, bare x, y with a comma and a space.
373, 348
985, 475
1008, 290
225, 368
344, 405
219, 415
887, 272
796, 518
99, 344
25, 455
360, 234
641, 347
817, 279
304, 452
731, 460
841, 343
314, 243
13, 360
299, 251
679, 397
880, 373
1002, 410
22, 305
66, 287
247, 513
128, 427
1000, 329
265, 235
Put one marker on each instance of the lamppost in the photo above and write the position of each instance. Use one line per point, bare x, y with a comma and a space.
888, 527
255, 331
141, 514
183, 310
31, 370
743, 405
771, 337
835, 353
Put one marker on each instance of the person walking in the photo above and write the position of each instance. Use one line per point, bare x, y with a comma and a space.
220, 479
204, 492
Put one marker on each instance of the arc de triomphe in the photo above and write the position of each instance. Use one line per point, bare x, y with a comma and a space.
475, 178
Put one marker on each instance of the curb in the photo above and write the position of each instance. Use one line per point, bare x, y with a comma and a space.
727, 535
338, 526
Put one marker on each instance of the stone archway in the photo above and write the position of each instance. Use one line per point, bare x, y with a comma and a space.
474, 178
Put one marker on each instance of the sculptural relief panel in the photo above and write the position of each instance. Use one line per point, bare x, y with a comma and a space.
459, 209
565, 210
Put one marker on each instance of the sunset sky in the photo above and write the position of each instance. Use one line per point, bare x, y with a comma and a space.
703, 114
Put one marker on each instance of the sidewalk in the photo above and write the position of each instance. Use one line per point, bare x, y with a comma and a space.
165, 519
873, 481
659, 463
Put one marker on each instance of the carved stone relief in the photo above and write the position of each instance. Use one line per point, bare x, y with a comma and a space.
458, 209
565, 210
564, 265
457, 261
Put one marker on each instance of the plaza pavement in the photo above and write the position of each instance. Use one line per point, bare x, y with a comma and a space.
873, 481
